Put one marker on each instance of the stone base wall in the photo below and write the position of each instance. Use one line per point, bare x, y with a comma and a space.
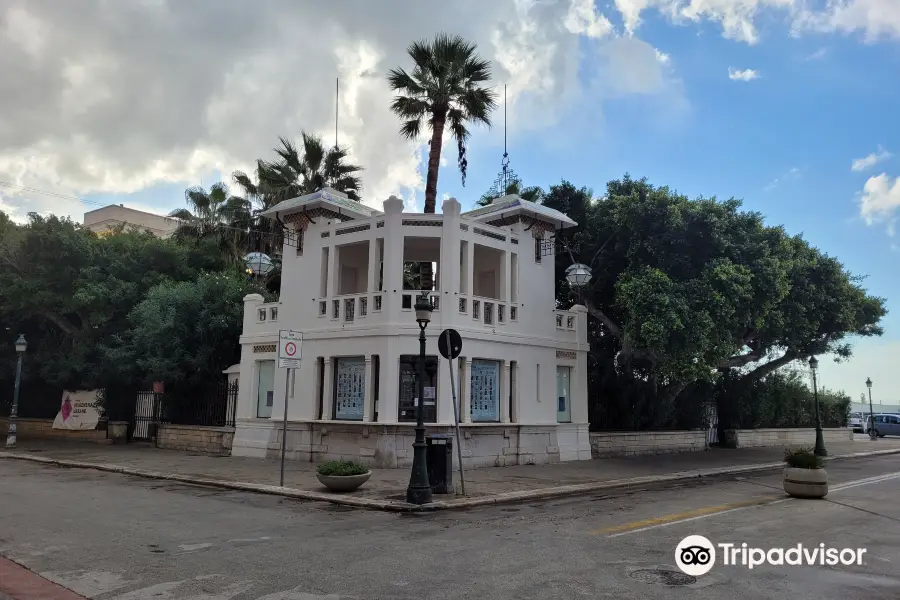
747, 438
606, 444
390, 446
42, 429
192, 438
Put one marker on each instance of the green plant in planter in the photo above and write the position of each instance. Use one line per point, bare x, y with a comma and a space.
803, 458
341, 468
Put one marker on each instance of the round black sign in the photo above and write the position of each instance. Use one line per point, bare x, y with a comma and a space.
450, 343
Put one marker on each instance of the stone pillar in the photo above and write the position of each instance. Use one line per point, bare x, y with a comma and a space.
393, 261
506, 292
369, 400
470, 284
504, 391
466, 392
388, 379
328, 390
373, 267
578, 384
444, 391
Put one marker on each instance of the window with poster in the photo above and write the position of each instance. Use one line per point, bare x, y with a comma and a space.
485, 391
409, 388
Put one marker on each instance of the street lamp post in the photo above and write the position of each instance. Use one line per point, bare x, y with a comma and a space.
21, 346
820, 439
872, 435
419, 489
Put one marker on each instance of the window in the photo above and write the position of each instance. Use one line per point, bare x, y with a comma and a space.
265, 388
485, 391
273, 314
409, 388
349, 388
563, 389
261, 315
537, 250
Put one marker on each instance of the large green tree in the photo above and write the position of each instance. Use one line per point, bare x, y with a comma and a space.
683, 288
215, 216
186, 332
443, 90
73, 290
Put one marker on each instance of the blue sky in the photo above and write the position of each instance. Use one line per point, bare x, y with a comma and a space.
593, 95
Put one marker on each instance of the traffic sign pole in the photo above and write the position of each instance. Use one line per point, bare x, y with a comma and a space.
289, 345
287, 381
450, 350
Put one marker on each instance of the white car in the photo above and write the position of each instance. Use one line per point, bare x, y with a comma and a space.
856, 422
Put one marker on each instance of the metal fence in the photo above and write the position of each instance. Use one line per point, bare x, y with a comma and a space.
213, 406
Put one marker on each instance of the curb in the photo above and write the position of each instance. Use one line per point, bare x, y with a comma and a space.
390, 506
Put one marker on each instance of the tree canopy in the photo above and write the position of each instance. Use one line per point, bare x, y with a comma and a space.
683, 288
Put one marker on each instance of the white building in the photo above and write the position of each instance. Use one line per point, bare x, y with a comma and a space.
522, 382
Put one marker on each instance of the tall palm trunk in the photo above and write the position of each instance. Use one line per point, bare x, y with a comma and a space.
434, 163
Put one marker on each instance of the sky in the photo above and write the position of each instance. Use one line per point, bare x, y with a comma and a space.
789, 105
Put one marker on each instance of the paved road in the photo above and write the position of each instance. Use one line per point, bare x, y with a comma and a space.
114, 537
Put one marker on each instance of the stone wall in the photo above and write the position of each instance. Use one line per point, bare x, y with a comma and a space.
390, 445
789, 436
42, 429
192, 438
606, 444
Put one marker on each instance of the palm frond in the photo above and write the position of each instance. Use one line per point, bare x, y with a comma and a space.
183, 214
411, 129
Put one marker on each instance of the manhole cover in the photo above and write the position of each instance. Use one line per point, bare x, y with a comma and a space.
663, 577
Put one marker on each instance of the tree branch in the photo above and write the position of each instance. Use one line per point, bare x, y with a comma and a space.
772, 365
603, 318
59, 321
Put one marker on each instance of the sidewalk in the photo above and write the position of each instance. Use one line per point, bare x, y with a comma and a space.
386, 488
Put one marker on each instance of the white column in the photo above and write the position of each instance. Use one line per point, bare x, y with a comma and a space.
470, 263
504, 391
516, 403
328, 390
465, 392
388, 379
373, 266
369, 400
393, 263
506, 294
444, 391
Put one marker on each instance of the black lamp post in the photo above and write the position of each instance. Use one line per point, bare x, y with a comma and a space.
820, 439
419, 489
21, 346
872, 434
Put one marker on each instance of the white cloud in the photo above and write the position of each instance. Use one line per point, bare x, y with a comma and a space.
662, 57
817, 55
744, 75
879, 200
792, 173
90, 107
874, 19
867, 162
583, 18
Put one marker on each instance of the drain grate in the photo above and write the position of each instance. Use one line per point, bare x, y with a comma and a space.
662, 577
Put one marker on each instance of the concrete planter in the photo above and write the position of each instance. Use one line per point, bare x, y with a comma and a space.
806, 483
343, 483
117, 431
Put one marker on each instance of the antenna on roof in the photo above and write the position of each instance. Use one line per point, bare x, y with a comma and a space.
507, 177
337, 92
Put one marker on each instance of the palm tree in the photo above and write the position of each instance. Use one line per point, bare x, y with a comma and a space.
213, 214
443, 90
292, 174
532, 193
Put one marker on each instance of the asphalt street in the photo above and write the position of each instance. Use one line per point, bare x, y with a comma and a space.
115, 537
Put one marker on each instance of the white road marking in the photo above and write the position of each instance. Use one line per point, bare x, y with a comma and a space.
831, 489
192, 547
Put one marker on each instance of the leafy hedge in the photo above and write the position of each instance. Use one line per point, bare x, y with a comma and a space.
341, 468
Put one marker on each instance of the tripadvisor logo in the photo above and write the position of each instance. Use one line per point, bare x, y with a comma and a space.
696, 555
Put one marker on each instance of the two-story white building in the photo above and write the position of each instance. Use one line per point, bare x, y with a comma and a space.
349, 282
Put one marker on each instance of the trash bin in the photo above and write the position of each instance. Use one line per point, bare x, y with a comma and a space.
439, 459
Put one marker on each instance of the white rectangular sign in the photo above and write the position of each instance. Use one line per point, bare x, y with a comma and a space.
289, 343
78, 410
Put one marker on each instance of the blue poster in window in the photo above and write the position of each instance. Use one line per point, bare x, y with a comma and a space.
350, 392
485, 391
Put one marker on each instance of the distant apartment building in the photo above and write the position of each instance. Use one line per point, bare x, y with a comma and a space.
109, 217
